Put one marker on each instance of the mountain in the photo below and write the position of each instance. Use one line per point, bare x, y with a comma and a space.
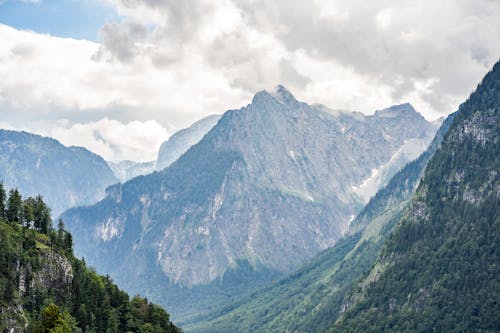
439, 269
182, 140
270, 186
64, 176
46, 289
310, 299
126, 170
169, 151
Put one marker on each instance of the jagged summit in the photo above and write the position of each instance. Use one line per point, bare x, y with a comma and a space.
262, 98
405, 109
283, 95
279, 94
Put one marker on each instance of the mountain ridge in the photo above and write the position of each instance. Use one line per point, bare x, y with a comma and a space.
438, 270
37, 164
268, 179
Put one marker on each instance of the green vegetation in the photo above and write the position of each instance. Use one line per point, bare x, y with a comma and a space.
439, 271
310, 299
46, 289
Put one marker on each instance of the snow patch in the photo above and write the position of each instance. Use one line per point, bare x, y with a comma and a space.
409, 151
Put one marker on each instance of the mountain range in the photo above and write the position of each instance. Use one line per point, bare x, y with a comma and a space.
309, 299
277, 217
268, 187
421, 256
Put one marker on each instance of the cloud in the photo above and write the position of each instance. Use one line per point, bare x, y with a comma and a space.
177, 61
114, 140
443, 46
121, 40
432, 52
46, 78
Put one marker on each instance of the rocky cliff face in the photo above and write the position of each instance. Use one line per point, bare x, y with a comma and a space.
269, 186
64, 176
53, 272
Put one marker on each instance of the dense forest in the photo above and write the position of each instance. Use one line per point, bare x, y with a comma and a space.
46, 289
439, 270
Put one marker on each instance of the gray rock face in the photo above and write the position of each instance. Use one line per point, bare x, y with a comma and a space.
126, 170
55, 273
182, 140
272, 184
64, 176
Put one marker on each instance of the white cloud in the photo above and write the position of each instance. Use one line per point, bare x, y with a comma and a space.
176, 61
114, 140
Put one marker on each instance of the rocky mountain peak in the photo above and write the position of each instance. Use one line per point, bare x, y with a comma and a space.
264, 100
401, 110
280, 94
284, 96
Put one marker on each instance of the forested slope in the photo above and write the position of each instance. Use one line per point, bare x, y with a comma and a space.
439, 271
44, 288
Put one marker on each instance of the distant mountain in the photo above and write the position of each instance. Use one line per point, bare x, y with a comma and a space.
169, 151
267, 188
64, 176
126, 170
439, 271
310, 299
182, 140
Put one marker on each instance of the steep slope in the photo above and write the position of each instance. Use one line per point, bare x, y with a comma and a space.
182, 140
439, 269
126, 170
270, 186
310, 299
64, 176
46, 289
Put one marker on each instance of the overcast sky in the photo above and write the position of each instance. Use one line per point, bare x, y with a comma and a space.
120, 76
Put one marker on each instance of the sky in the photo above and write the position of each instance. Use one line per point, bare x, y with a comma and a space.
120, 76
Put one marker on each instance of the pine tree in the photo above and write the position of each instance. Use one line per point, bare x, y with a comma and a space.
60, 234
29, 212
14, 206
68, 242
42, 215
3, 197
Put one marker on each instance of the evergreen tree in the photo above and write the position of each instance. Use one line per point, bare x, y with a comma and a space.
29, 212
60, 234
42, 215
3, 197
14, 206
68, 242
